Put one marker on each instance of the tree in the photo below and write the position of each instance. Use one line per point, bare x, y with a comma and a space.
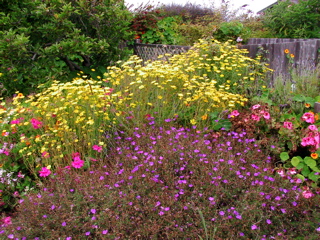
41, 40
289, 20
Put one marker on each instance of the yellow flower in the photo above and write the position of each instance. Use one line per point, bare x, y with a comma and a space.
292, 55
204, 117
314, 155
286, 51
307, 105
193, 121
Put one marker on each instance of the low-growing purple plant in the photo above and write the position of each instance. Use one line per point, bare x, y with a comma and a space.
171, 183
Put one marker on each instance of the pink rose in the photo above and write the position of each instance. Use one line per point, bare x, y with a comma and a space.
288, 125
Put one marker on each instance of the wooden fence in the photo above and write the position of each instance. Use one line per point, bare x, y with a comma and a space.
306, 53
152, 51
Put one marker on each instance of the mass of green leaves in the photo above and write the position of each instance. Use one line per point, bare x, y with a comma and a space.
41, 40
288, 20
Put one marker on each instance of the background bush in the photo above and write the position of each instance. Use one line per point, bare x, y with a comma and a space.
288, 20
44, 40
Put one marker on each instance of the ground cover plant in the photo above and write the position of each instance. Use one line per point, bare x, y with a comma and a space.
172, 149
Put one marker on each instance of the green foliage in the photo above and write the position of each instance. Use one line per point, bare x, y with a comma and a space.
44, 40
164, 32
288, 20
231, 31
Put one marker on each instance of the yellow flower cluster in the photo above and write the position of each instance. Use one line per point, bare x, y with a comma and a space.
207, 77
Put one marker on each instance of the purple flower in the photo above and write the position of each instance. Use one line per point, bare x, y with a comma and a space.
104, 231
87, 233
268, 221
93, 211
64, 224
254, 227
221, 213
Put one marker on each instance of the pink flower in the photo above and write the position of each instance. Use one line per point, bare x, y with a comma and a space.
45, 154
77, 162
313, 128
288, 125
308, 141
281, 172
265, 114
36, 123
308, 117
16, 121
307, 194
97, 148
255, 117
234, 113
292, 171
7, 221
255, 106
44, 172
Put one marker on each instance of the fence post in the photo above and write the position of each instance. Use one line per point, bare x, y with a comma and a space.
317, 107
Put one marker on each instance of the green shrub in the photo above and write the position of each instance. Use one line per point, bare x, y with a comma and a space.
44, 40
288, 20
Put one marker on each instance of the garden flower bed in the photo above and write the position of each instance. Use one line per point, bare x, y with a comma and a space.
195, 147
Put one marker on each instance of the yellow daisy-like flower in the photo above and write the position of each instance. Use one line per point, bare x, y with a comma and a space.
286, 51
204, 117
193, 121
292, 55
314, 155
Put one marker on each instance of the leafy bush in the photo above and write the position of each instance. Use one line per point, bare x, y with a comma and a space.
44, 40
288, 20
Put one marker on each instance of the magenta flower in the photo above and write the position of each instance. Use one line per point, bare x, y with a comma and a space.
36, 123
255, 106
7, 221
255, 117
45, 154
308, 141
265, 114
97, 148
254, 227
307, 194
313, 128
77, 162
288, 125
234, 113
44, 172
308, 117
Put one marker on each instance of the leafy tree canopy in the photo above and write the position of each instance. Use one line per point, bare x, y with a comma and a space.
41, 40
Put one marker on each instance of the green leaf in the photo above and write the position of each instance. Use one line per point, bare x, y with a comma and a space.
284, 156
315, 169
310, 162
300, 177
313, 177
295, 161
300, 165
305, 171
299, 98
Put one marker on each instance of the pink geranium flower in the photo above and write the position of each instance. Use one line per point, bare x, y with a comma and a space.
308, 117
265, 114
234, 113
7, 221
44, 172
255, 117
288, 125
313, 128
97, 148
307, 194
308, 141
255, 106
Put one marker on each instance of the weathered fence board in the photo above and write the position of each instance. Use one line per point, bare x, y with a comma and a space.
305, 51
